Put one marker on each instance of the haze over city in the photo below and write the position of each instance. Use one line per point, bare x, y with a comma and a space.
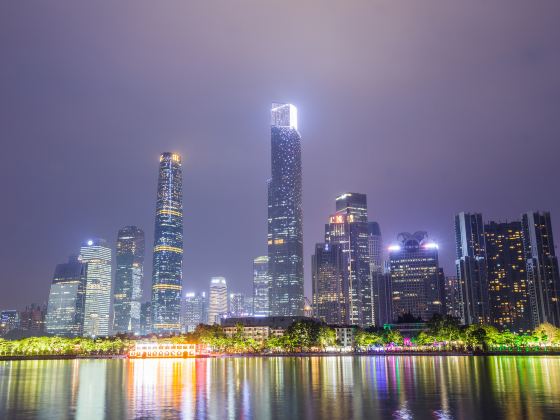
429, 109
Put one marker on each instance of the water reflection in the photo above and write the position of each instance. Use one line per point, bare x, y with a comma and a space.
277, 388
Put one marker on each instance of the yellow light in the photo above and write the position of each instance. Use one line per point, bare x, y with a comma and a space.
159, 248
167, 286
170, 212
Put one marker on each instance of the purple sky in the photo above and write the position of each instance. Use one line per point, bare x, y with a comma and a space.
429, 107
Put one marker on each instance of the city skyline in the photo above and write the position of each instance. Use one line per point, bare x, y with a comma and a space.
403, 112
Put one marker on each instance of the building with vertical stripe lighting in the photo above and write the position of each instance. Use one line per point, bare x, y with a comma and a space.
168, 247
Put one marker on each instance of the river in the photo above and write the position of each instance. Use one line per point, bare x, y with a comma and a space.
345, 387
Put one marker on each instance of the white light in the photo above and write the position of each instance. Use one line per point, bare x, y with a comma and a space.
90, 242
393, 248
431, 245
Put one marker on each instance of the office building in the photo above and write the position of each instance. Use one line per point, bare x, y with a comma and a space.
168, 247
9, 321
218, 297
195, 310
348, 227
97, 255
127, 296
146, 318
261, 287
542, 268
285, 223
66, 305
416, 278
327, 275
471, 267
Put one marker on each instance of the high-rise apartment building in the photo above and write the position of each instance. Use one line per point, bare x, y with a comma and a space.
471, 267
97, 255
261, 287
218, 297
543, 280
168, 247
348, 226
195, 310
327, 274
66, 305
129, 274
508, 296
285, 223
416, 278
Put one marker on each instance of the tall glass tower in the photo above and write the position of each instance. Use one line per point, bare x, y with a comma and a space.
285, 226
97, 255
261, 287
168, 247
128, 280
65, 311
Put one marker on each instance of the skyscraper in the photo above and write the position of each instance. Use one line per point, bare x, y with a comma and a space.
416, 278
453, 301
285, 225
168, 246
542, 268
196, 310
507, 278
65, 309
97, 255
327, 275
146, 318
218, 297
128, 280
349, 228
381, 295
261, 287
239, 305
471, 267
9, 321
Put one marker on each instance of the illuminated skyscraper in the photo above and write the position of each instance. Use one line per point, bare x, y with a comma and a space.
97, 255
542, 268
261, 287
196, 310
416, 279
327, 275
285, 226
218, 297
168, 247
471, 267
65, 310
240, 305
507, 277
349, 228
381, 291
128, 280
146, 318
453, 302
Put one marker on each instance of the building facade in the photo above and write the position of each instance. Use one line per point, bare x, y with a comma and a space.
98, 257
146, 318
508, 295
9, 321
66, 305
542, 268
195, 310
327, 275
471, 267
168, 247
218, 300
285, 220
381, 295
416, 279
127, 296
261, 287
453, 301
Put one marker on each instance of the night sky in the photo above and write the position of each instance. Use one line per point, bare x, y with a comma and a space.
429, 107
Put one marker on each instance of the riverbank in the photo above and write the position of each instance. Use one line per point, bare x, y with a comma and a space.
272, 355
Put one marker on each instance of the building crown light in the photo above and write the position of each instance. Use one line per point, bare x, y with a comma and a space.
284, 115
394, 248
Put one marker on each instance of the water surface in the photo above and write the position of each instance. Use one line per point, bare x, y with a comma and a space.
400, 387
